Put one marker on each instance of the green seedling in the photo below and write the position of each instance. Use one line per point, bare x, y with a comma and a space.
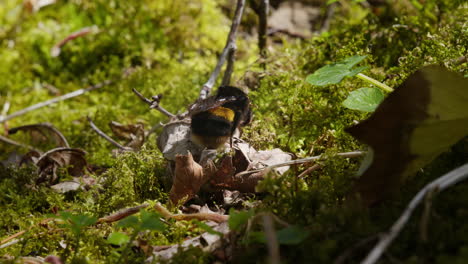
364, 99
76, 223
146, 221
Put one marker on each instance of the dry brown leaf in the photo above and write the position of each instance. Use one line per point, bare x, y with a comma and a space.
134, 134
188, 178
71, 159
43, 133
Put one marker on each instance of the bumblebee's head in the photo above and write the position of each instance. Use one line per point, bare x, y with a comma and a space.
215, 119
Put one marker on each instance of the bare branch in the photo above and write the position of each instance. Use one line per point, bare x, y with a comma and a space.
440, 184
351, 154
106, 137
230, 65
230, 43
154, 104
55, 100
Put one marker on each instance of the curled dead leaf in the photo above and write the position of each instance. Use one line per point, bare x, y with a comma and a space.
188, 178
43, 133
70, 158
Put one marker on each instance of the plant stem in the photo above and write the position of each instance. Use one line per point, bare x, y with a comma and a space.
382, 86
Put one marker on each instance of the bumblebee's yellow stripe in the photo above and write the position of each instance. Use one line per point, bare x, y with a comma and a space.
223, 112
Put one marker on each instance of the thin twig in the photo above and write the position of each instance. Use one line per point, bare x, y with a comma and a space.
15, 143
20, 233
153, 129
218, 218
230, 65
55, 51
349, 252
351, 154
230, 43
262, 29
440, 184
14, 241
55, 100
122, 214
309, 170
6, 108
273, 31
106, 137
424, 223
154, 104
4, 243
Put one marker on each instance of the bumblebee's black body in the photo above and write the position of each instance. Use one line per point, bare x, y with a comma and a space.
215, 119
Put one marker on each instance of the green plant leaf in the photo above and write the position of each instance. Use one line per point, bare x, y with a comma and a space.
207, 228
292, 235
334, 73
364, 99
130, 221
238, 219
151, 221
118, 238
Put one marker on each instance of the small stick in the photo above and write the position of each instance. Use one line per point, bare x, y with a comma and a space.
20, 233
439, 184
230, 65
106, 137
6, 108
12, 142
351, 154
154, 104
309, 170
230, 43
4, 244
121, 214
55, 100
218, 218
55, 51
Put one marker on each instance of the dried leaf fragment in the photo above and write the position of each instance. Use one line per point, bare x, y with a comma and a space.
133, 133
188, 178
70, 158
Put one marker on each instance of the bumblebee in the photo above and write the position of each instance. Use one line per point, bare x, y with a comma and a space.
216, 118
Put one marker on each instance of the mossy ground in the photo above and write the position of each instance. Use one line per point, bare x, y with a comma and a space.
171, 47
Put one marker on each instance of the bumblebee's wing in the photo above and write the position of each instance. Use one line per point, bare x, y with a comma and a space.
208, 103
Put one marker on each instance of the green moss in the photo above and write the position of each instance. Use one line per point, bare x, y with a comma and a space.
170, 48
